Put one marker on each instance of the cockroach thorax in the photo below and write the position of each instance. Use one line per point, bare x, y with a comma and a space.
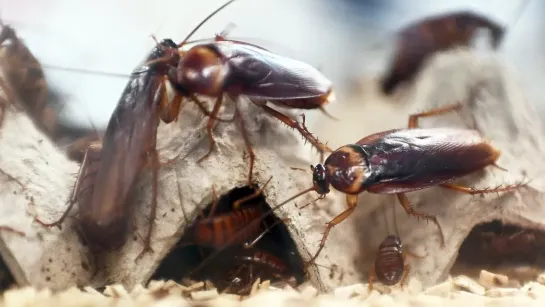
202, 70
347, 169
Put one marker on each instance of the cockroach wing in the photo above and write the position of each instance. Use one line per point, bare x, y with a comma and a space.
412, 159
260, 74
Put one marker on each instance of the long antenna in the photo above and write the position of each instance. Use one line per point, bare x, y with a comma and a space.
204, 21
85, 71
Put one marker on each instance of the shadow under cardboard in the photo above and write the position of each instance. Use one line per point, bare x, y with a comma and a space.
221, 266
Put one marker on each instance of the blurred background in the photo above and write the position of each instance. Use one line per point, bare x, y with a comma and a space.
348, 40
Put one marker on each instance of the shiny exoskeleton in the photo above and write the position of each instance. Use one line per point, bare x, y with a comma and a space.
418, 41
237, 69
230, 228
404, 160
389, 267
110, 168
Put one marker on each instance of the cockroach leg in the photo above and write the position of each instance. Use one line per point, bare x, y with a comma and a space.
413, 118
154, 156
410, 211
303, 131
13, 230
246, 139
371, 278
94, 149
473, 191
238, 202
203, 109
406, 269
263, 233
210, 126
352, 202
215, 201
168, 110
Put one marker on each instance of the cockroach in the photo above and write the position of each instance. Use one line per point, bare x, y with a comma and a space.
26, 77
256, 256
110, 167
418, 41
25, 82
239, 268
404, 160
216, 231
236, 236
234, 227
251, 264
238, 69
389, 266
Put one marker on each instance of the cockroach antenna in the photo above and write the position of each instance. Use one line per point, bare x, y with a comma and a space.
203, 22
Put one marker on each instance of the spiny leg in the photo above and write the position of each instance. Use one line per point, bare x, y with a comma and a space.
413, 118
154, 156
410, 211
203, 109
247, 142
210, 126
170, 110
215, 201
239, 202
306, 129
473, 191
303, 131
95, 148
352, 202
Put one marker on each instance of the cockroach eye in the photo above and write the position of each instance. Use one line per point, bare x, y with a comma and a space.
319, 177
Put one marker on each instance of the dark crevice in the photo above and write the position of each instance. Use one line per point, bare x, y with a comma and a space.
7, 280
502, 248
233, 269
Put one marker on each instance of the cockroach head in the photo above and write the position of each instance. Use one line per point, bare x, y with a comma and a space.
170, 49
320, 179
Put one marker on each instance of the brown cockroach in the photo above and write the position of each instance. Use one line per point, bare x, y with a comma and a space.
25, 79
256, 263
263, 258
403, 160
418, 41
233, 227
389, 266
238, 69
238, 268
110, 167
